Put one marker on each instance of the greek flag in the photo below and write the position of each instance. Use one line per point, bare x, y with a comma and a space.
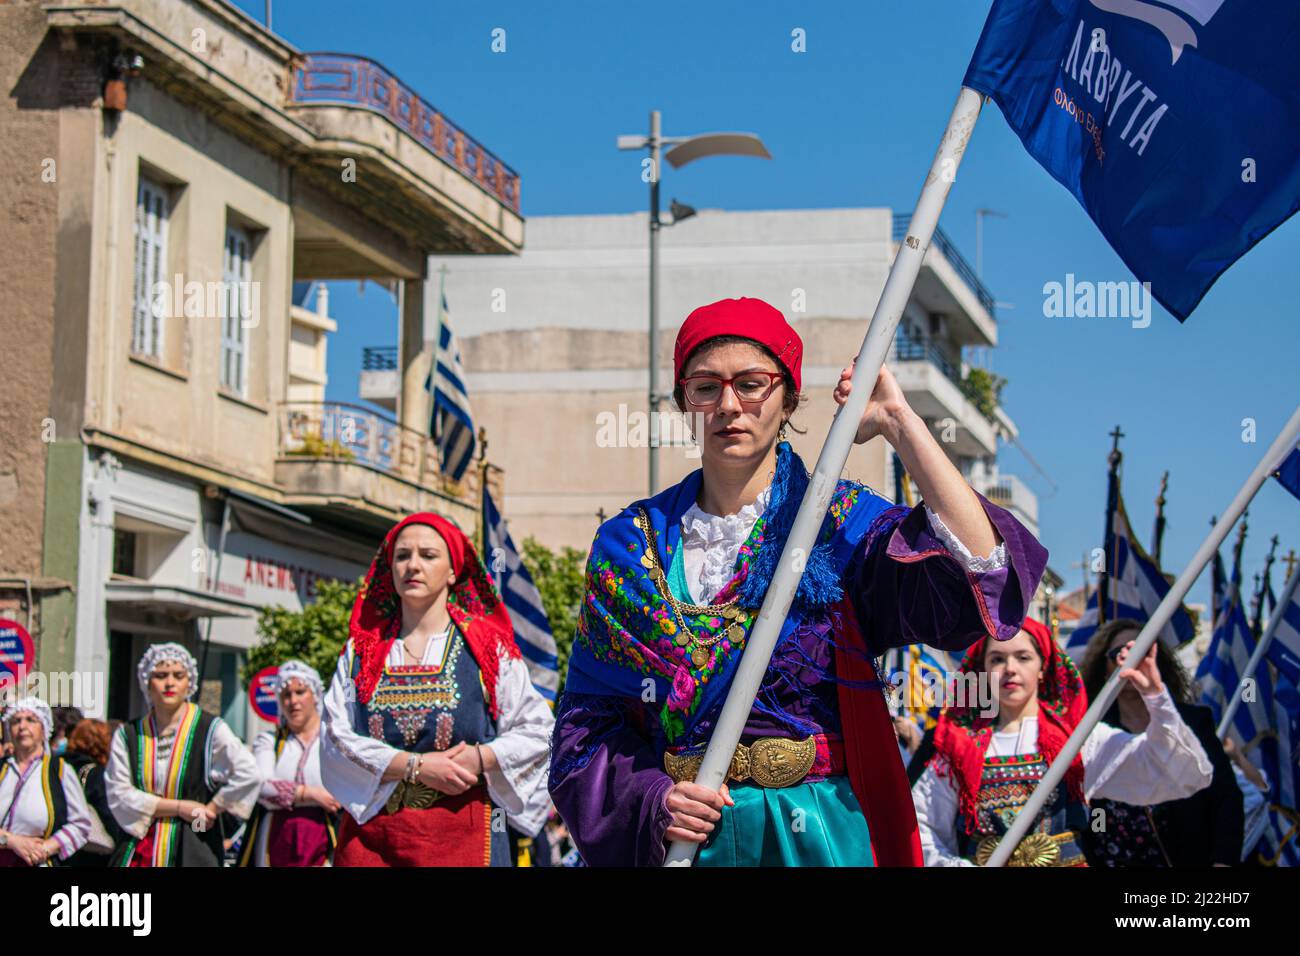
1176, 125
1219, 674
1280, 844
1284, 651
523, 601
1132, 585
450, 423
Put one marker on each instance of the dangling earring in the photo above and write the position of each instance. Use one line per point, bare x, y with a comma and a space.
780, 435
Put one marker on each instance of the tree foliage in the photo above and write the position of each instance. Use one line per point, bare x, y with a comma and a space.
314, 635
559, 576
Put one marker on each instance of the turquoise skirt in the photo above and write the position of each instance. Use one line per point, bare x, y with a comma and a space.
809, 824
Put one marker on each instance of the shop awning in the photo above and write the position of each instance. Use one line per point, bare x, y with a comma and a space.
183, 604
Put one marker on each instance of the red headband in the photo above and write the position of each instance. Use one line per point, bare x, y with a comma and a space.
748, 318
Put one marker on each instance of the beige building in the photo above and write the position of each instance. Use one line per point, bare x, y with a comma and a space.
177, 178
554, 345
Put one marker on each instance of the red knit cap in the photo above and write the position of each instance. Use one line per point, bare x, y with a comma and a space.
750, 318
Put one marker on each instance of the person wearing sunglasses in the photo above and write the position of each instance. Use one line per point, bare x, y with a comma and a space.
675, 582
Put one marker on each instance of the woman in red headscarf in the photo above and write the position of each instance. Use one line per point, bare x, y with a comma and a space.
1017, 703
676, 581
432, 727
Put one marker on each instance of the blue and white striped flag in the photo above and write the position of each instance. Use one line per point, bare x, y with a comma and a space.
1219, 675
1284, 651
450, 422
523, 601
1134, 587
1280, 844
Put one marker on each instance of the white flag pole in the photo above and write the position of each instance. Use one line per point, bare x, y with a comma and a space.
1281, 447
1287, 595
812, 511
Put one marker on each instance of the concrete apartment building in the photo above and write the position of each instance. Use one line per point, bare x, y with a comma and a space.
554, 343
177, 178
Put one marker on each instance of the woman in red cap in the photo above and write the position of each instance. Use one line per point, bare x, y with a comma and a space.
991, 751
432, 728
674, 584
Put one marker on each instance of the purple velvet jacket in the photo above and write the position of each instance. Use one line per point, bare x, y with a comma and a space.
607, 776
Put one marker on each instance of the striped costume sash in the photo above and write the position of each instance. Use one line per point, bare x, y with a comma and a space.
166, 830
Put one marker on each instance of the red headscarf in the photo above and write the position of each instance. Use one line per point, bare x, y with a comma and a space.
472, 602
751, 318
963, 735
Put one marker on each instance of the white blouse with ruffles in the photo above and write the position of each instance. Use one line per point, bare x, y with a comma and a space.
1164, 762
711, 544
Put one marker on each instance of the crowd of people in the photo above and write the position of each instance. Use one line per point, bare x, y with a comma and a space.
430, 745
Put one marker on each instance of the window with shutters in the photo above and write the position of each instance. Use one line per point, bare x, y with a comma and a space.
237, 274
152, 208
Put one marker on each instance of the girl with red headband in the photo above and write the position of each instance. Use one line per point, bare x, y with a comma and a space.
434, 736
990, 752
674, 584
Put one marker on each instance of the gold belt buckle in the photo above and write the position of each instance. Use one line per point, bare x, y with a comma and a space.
1037, 849
769, 761
416, 796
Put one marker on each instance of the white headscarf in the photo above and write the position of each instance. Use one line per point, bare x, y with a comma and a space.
297, 670
157, 654
37, 708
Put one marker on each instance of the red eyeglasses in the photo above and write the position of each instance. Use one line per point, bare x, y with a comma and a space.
705, 391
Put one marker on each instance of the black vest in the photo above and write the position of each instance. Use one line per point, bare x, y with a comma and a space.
53, 786
258, 818
193, 848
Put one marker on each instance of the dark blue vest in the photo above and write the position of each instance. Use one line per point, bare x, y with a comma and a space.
427, 708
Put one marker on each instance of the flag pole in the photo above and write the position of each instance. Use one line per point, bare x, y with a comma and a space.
1281, 447
1261, 646
830, 463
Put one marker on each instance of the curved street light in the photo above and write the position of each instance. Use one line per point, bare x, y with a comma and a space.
685, 149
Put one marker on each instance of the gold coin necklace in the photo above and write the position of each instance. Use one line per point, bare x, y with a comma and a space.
731, 611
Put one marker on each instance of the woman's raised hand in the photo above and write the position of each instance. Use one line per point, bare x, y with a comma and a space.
886, 401
1146, 675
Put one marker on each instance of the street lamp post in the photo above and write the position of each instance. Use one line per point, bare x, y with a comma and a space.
685, 149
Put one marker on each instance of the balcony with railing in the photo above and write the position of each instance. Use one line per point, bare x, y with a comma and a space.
1008, 491
338, 454
356, 81
380, 378
936, 390
948, 285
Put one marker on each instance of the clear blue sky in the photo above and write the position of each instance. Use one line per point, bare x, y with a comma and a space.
854, 122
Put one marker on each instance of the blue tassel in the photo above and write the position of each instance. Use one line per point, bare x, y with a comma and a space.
820, 584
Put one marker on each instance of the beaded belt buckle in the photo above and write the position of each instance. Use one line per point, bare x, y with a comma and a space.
1037, 849
769, 761
416, 796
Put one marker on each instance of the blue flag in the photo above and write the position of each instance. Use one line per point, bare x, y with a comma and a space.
1175, 124
1289, 473
522, 600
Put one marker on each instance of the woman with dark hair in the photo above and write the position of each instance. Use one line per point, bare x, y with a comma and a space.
991, 750
1203, 829
675, 582
433, 736
88, 748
